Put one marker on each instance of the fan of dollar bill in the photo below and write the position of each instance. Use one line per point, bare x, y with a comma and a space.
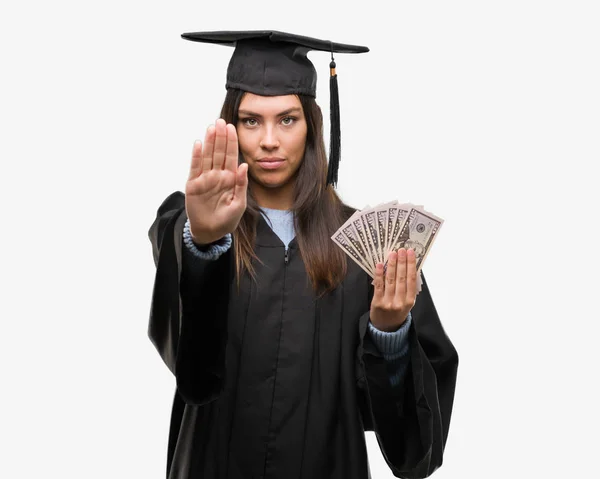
371, 233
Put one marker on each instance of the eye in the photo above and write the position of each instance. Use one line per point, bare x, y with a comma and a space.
249, 121
288, 120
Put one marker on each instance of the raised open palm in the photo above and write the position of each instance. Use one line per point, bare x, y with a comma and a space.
215, 192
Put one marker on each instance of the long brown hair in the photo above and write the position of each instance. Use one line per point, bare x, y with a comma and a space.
318, 210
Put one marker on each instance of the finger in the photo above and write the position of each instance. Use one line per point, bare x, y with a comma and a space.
232, 150
241, 184
378, 283
411, 276
196, 166
220, 145
209, 146
401, 276
390, 276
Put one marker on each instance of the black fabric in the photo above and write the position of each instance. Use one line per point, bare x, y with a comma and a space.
274, 383
268, 62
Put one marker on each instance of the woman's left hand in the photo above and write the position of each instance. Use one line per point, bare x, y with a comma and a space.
396, 293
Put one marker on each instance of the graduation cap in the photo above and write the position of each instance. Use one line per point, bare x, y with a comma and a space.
270, 63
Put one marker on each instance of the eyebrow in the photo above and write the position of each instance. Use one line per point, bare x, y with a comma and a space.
283, 113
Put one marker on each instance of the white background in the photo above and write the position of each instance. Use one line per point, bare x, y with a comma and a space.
487, 113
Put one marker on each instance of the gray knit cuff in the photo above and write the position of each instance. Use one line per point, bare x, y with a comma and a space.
392, 345
214, 250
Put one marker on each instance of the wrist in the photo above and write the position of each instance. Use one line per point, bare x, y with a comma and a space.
389, 328
203, 239
199, 242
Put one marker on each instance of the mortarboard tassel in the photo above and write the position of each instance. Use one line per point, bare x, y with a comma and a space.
335, 136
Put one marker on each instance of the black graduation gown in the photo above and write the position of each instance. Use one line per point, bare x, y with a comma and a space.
274, 383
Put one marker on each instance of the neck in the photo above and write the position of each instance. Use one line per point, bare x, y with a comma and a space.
274, 198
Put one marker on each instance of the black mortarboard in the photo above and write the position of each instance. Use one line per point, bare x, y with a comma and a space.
267, 62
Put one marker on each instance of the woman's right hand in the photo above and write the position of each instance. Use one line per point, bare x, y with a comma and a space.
215, 192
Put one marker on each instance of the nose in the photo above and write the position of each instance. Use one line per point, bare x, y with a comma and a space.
269, 139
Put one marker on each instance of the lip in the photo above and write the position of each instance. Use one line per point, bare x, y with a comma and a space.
270, 163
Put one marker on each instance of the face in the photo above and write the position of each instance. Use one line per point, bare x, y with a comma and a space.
272, 137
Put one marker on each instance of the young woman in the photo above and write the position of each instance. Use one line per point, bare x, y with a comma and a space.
284, 353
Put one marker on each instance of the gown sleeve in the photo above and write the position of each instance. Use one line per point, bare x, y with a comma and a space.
188, 329
410, 422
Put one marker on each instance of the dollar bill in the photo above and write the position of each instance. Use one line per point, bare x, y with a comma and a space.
360, 227
352, 237
400, 218
370, 218
382, 222
391, 220
418, 232
340, 239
